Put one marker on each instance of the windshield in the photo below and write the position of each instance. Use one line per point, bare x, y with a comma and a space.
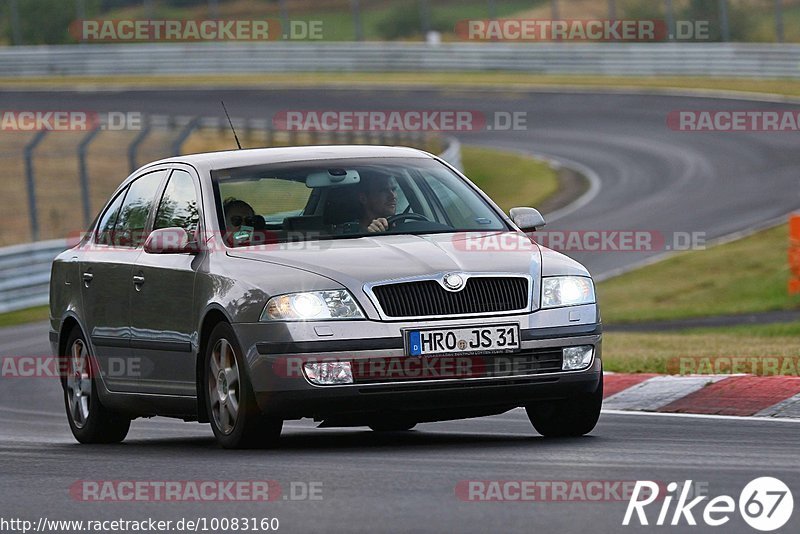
347, 198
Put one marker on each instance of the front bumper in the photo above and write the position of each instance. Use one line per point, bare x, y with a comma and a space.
275, 352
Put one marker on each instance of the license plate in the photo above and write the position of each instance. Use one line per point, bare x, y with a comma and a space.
472, 340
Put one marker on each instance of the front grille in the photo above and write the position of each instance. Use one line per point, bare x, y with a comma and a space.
409, 368
481, 294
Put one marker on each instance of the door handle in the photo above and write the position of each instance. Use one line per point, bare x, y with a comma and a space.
87, 278
138, 280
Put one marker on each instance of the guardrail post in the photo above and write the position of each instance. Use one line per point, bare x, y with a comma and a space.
133, 148
83, 147
31, 180
670, 20
184, 134
269, 136
779, 21
248, 132
213, 9
16, 26
725, 30
284, 17
425, 18
359, 30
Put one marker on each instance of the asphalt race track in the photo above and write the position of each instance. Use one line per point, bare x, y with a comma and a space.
650, 178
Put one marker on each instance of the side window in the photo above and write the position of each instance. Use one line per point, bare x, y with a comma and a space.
454, 207
402, 201
105, 230
178, 207
132, 220
461, 212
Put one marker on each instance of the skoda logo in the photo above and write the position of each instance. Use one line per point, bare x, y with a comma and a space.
453, 281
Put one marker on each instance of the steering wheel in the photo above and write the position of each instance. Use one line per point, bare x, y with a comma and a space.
394, 219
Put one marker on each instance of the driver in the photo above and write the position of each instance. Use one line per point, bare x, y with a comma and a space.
377, 197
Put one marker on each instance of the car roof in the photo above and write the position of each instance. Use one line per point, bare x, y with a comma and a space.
263, 156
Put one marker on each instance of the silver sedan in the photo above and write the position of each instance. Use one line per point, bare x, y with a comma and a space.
355, 285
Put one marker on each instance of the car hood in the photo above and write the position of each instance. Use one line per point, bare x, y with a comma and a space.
358, 261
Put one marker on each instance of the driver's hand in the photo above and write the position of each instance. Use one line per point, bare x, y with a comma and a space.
378, 225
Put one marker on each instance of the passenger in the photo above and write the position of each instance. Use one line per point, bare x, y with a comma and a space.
237, 212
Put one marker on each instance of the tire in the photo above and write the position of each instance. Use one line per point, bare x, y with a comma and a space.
569, 417
392, 426
234, 415
89, 420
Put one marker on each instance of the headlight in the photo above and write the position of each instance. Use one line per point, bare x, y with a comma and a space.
315, 305
576, 358
327, 373
567, 291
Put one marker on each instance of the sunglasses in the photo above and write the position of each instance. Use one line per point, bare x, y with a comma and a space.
237, 220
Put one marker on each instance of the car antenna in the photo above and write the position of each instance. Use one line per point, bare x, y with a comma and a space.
231, 123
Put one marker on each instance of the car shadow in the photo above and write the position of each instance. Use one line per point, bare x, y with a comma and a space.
333, 441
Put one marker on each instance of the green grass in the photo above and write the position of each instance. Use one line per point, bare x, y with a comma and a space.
510, 179
748, 275
29, 315
337, 18
338, 25
654, 352
773, 330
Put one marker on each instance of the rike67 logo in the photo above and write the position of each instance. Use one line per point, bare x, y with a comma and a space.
766, 504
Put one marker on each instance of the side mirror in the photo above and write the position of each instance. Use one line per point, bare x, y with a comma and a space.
528, 219
169, 241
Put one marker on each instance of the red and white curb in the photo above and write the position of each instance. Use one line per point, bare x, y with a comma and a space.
733, 395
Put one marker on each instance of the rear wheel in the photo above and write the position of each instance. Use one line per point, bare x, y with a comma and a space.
89, 420
235, 418
571, 417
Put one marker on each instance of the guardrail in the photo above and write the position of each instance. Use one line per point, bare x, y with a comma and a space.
25, 273
25, 268
618, 59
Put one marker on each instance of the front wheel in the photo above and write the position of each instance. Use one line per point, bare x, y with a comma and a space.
89, 420
235, 418
571, 417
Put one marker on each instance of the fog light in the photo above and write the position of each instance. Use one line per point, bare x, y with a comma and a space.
327, 373
577, 357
